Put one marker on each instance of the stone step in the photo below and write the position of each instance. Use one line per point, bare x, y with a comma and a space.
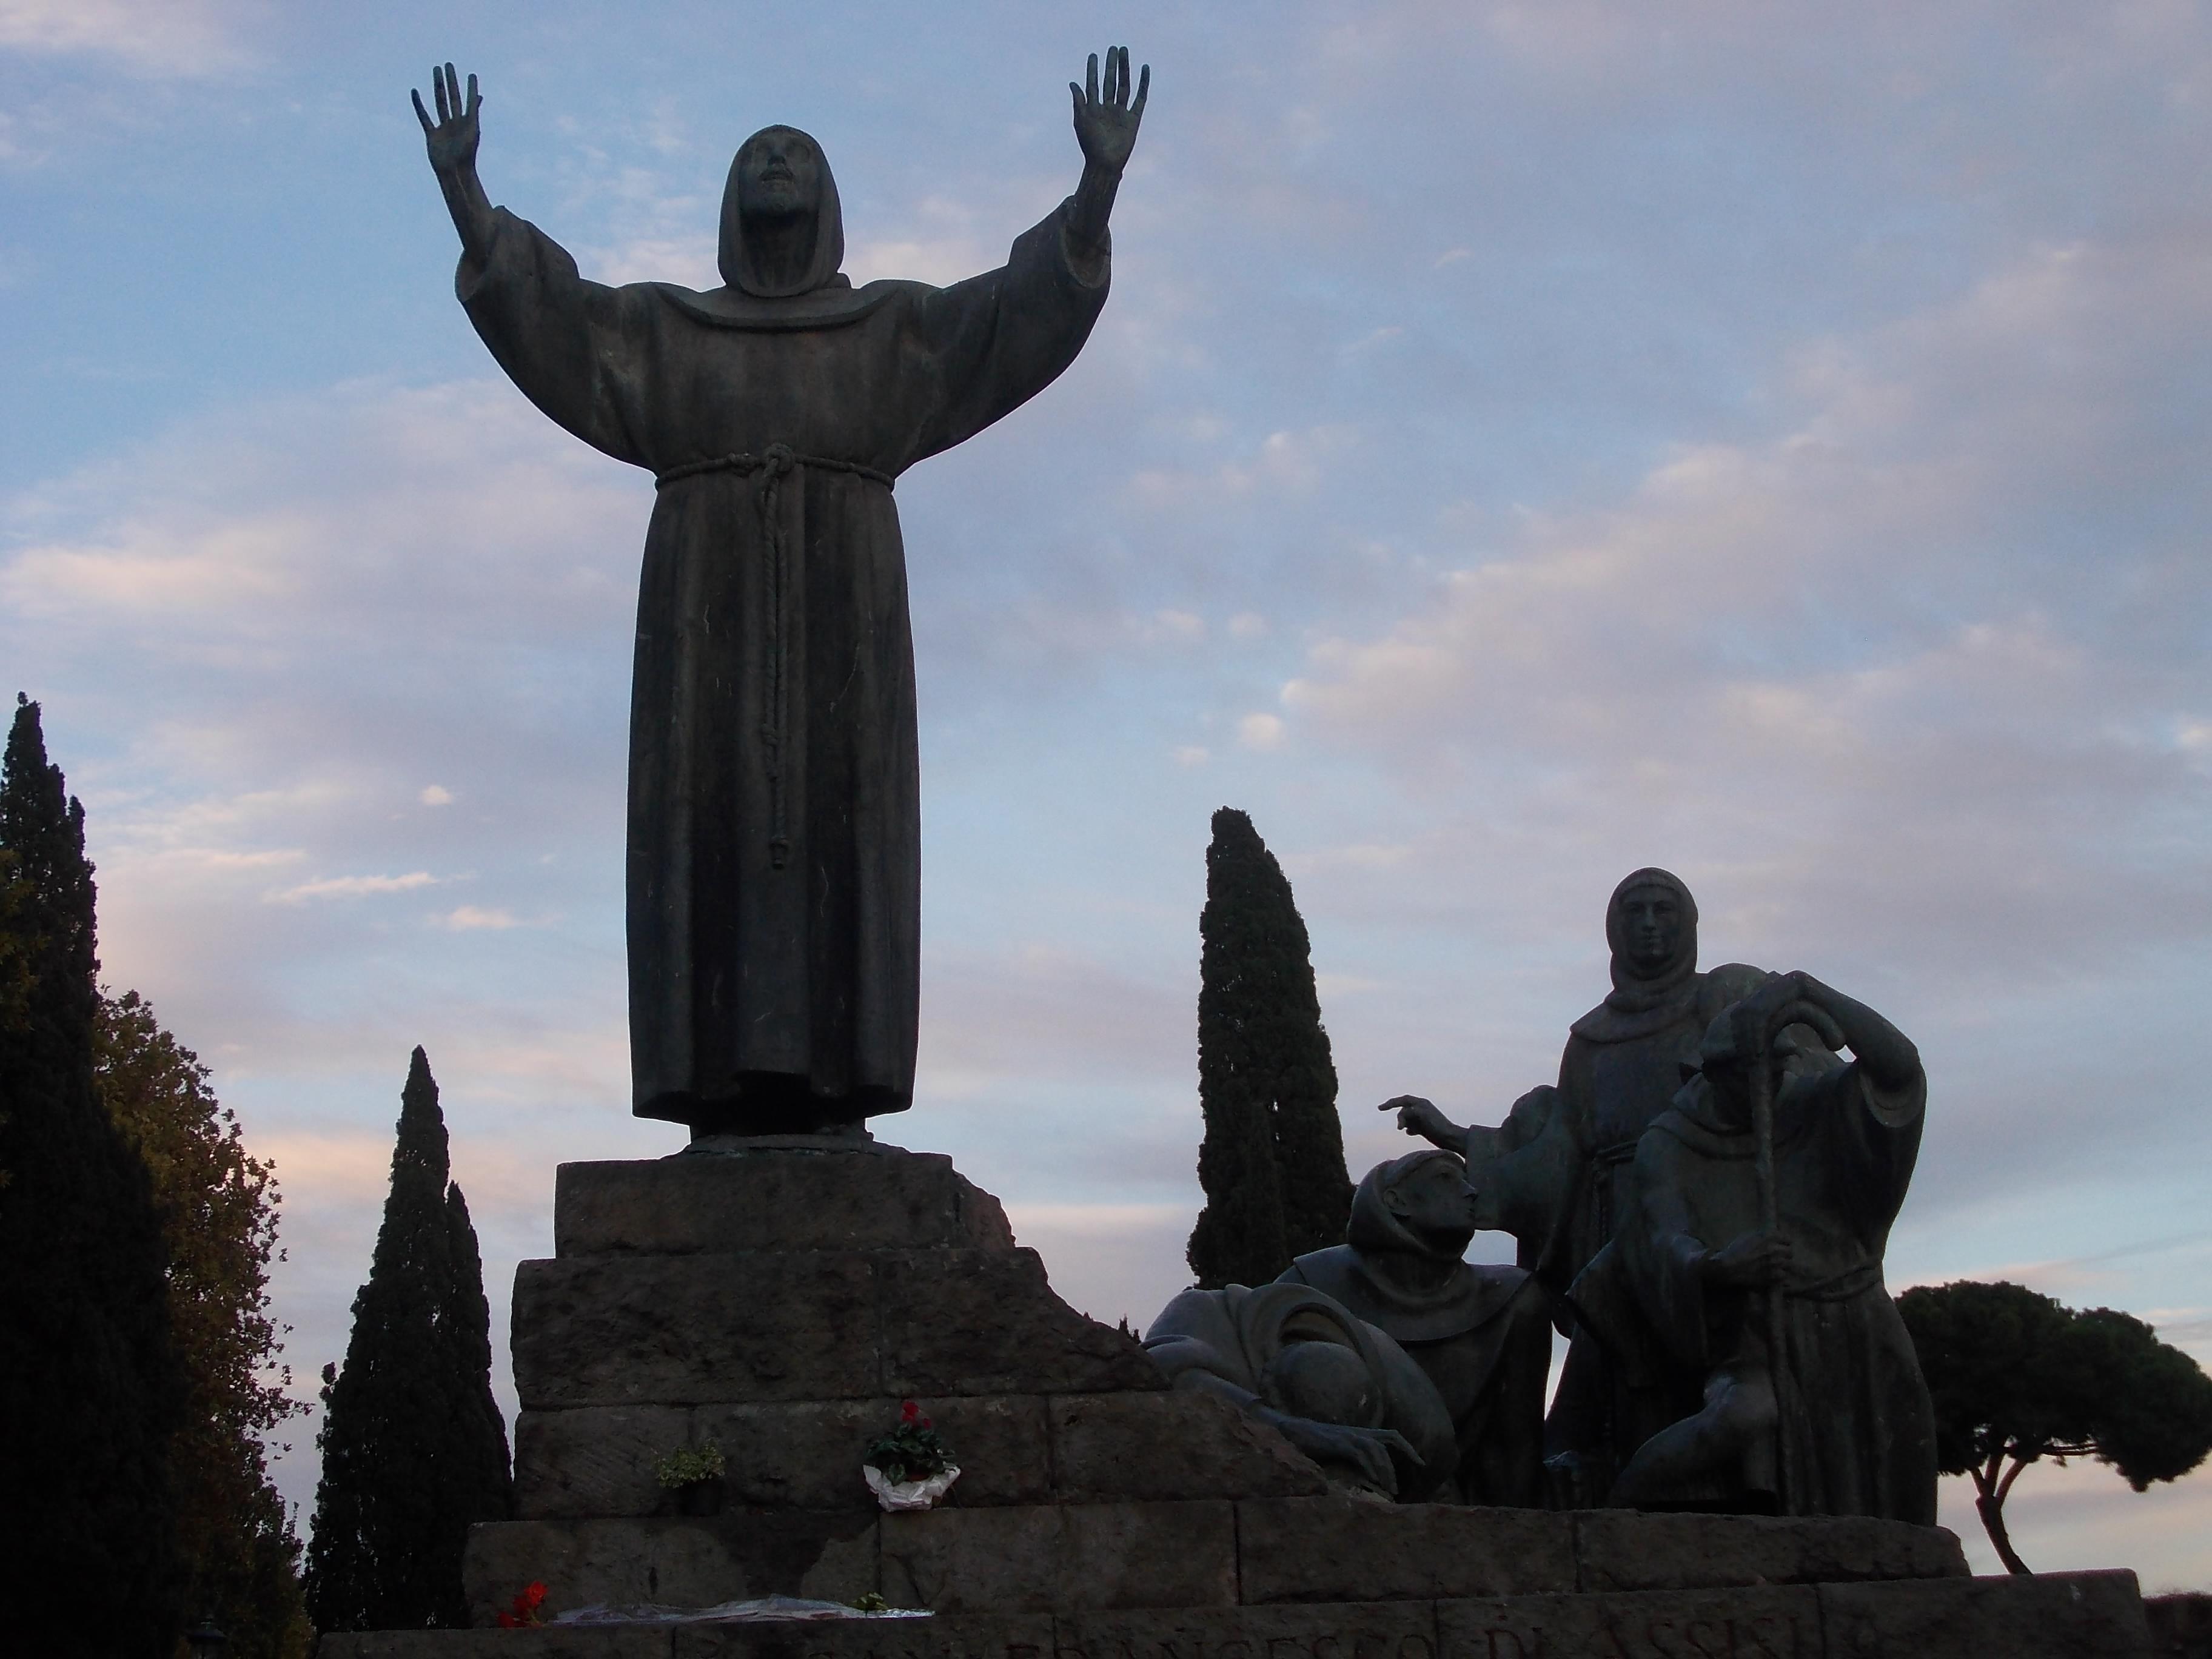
740, 1329
597, 1461
2090, 1615
1051, 1558
872, 1198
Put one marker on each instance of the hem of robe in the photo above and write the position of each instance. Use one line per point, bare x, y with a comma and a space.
775, 1104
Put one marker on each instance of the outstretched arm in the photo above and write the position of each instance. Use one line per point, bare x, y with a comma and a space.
452, 139
1424, 1118
1107, 129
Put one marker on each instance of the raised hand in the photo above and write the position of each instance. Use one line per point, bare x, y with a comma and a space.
452, 138
1106, 126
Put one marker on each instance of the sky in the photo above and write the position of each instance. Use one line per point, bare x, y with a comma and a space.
1524, 442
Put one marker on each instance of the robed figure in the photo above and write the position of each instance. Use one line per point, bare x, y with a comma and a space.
774, 870
1481, 1332
1622, 1063
1821, 1411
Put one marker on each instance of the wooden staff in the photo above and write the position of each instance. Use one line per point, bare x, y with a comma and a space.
1800, 1013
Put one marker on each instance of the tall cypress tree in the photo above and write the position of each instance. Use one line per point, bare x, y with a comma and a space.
91, 1393
414, 1448
1271, 1162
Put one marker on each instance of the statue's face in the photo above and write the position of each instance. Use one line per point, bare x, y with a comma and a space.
1434, 1200
780, 177
1651, 919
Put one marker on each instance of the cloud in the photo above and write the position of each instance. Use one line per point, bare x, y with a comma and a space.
353, 887
154, 39
471, 918
1260, 732
436, 795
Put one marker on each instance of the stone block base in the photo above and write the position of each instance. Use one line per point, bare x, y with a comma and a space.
2090, 1615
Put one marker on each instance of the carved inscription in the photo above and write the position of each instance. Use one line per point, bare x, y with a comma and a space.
1198, 1644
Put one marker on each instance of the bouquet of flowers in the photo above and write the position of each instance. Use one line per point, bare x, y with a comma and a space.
527, 1610
910, 1468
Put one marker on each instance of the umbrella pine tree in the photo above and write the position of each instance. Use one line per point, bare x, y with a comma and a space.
1271, 1162
414, 1448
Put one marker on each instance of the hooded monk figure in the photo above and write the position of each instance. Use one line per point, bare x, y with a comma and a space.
1623, 1061
1482, 1334
774, 880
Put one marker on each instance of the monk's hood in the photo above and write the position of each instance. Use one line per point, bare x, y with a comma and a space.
1645, 1002
1358, 1272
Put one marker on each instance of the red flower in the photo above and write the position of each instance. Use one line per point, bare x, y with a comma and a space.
534, 1595
910, 1413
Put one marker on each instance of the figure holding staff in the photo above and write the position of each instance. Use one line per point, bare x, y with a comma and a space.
1758, 1260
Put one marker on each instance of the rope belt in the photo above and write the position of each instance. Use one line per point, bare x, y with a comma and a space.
1855, 1280
768, 470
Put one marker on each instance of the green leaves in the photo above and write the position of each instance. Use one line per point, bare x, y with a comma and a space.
2017, 1377
414, 1447
1272, 1163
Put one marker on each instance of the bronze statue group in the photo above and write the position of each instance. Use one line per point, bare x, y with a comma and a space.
1701, 1204
1702, 1200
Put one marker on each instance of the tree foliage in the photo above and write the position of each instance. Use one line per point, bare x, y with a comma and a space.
2017, 1377
1272, 1163
414, 1448
218, 1210
90, 1392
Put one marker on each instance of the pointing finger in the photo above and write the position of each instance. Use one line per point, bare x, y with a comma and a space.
1091, 81
1144, 90
474, 97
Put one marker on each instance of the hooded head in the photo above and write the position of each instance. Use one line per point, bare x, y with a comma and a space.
783, 232
1419, 1204
1651, 923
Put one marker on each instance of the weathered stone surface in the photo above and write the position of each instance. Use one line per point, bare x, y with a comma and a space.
1744, 1623
1379, 1630
679, 1330
1161, 1447
808, 1457
594, 1461
881, 1198
1345, 1549
545, 1643
980, 1321
681, 1562
2059, 1615
1036, 1559
615, 1330
1618, 1550
953, 1636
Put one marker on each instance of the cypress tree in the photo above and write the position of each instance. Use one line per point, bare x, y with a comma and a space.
90, 1394
1271, 1162
414, 1448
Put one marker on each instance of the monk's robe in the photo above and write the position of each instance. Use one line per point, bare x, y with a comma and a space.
773, 856
1853, 1405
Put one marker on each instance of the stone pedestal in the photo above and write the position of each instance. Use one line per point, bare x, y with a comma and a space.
780, 1301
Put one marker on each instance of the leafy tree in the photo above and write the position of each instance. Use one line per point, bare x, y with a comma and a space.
1271, 1162
414, 1447
218, 1209
2017, 1377
91, 1393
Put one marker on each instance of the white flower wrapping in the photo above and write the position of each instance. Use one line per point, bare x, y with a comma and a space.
910, 1494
